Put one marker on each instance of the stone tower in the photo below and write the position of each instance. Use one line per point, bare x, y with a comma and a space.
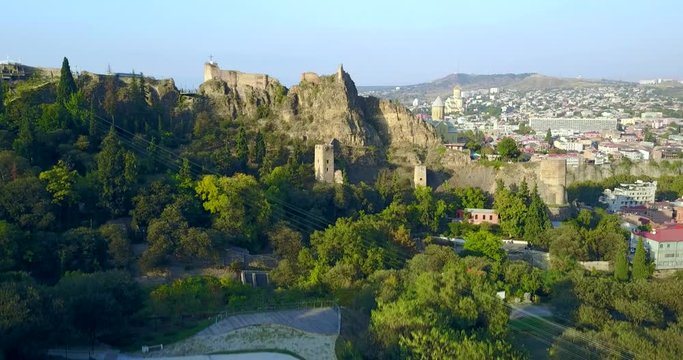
437, 109
211, 71
420, 175
340, 72
553, 176
324, 163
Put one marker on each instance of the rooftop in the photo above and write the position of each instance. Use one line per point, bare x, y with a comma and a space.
672, 233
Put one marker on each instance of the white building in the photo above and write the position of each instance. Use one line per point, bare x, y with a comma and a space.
569, 146
541, 125
629, 195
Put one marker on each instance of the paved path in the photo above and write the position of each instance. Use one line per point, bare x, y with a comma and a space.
323, 321
244, 356
522, 311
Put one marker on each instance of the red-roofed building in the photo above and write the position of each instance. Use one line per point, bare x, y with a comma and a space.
665, 246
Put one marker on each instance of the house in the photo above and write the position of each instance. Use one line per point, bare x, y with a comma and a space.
629, 195
478, 216
665, 246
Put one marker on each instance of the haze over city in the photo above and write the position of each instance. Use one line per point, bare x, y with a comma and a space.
379, 42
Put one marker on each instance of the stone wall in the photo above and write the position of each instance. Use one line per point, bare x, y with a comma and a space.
310, 77
235, 79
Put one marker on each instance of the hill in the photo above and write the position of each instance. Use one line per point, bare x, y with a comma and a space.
443, 86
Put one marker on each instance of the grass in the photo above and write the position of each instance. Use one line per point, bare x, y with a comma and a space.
534, 335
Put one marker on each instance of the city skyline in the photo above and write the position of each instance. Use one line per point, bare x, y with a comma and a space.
379, 43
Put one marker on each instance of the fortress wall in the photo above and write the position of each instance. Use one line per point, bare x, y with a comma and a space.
235, 79
310, 77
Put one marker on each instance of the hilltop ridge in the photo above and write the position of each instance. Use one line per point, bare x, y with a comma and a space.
444, 85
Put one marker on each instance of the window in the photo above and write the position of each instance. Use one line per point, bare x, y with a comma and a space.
476, 216
661, 246
490, 217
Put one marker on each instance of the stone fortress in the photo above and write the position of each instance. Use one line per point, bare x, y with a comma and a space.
550, 175
236, 79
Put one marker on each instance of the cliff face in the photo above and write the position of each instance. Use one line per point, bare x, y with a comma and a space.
227, 101
396, 125
329, 108
322, 108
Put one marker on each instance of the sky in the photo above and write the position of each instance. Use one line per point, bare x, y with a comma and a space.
379, 42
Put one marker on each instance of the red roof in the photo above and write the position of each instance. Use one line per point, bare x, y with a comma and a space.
669, 234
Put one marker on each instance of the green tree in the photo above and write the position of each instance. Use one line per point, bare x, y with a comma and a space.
259, 152
150, 202
164, 236
60, 182
641, 269
431, 212
25, 143
549, 138
507, 149
184, 177
241, 147
240, 205
621, 264
471, 197
286, 242
24, 321
118, 249
99, 305
110, 99
67, 85
116, 172
484, 243
11, 239
2, 98
511, 209
26, 203
537, 220
82, 249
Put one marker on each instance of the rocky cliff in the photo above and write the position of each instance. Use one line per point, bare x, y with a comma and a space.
322, 108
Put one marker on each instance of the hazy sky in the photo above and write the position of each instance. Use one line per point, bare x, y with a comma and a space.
379, 42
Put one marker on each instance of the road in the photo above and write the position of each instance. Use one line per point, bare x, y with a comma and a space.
527, 310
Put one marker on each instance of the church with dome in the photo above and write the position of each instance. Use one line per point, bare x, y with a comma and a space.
452, 106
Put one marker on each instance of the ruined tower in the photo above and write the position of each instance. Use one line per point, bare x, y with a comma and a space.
420, 175
553, 176
211, 71
324, 163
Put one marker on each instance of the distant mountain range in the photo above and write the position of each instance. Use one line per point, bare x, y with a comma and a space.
443, 86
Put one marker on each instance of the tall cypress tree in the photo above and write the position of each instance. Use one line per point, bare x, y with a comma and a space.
2, 96
67, 85
621, 264
549, 138
259, 148
640, 269
537, 220
242, 148
116, 170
